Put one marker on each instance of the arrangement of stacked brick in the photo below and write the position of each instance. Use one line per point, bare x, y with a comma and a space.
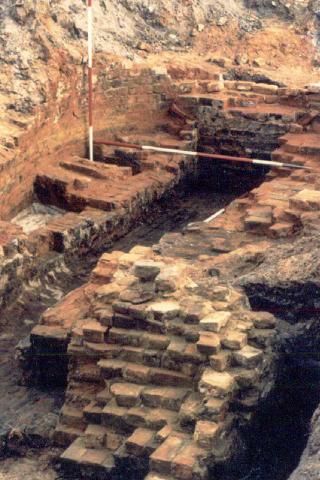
162, 362
247, 119
126, 99
265, 122
101, 209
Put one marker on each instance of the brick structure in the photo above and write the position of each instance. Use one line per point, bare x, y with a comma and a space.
163, 365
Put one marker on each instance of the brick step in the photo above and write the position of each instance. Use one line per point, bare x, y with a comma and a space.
142, 442
245, 131
269, 112
63, 435
141, 374
72, 417
259, 142
302, 149
164, 397
95, 170
306, 159
190, 103
260, 89
100, 436
280, 155
262, 155
128, 419
80, 394
138, 338
130, 395
178, 457
132, 159
88, 462
304, 143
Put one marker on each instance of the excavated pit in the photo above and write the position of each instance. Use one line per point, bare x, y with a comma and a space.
88, 208
168, 215
33, 409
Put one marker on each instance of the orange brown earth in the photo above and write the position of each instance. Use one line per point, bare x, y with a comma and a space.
188, 348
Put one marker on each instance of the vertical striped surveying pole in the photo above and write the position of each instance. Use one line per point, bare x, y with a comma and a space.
90, 76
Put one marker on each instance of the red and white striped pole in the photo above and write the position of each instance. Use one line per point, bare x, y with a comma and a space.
215, 156
90, 76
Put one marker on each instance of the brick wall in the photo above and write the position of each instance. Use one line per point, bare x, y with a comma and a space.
125, 100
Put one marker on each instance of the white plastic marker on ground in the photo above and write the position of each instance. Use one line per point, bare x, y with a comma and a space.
90, 76
215, 215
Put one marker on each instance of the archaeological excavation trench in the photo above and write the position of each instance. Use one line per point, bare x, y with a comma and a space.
143, 335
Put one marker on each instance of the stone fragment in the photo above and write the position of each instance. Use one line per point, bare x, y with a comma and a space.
222, 21
308, 200
245, 378
215, 321
206, 433
248, 357
216, 384
234, 340
220, 293
241, 59
213, 87
221, 361
147, 270
264, 320
165, 310
208, 343
94, 332
258, 62
194, 309
244, 86
260, 338
169, 279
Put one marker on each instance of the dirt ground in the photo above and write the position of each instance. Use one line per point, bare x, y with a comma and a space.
34, 466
